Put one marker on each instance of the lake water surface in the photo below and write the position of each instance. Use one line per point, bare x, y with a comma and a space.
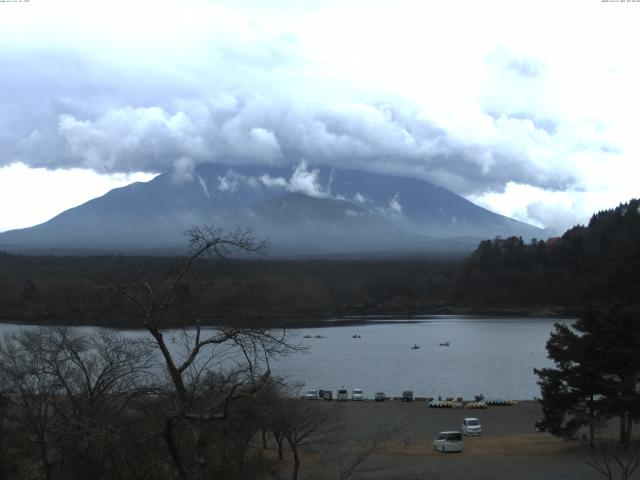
492, 356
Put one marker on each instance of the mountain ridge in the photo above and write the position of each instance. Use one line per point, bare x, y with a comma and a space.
327, 209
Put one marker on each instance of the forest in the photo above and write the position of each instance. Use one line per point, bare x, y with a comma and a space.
588, 266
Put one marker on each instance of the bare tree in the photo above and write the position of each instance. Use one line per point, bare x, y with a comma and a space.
274, 411
67, 392
99, 374
94, 371
5, 432
32, 396
207, 369
614, 462
307, 424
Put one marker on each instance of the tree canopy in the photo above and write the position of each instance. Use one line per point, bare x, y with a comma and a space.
596, 374
594, 264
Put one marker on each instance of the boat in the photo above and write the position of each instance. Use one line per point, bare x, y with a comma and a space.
319, 336
444, 344
415, 347
356, 336
307, 336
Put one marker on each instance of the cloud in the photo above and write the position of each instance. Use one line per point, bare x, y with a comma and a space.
360, 199
205, 189
228, 183
273, 182
306, 181
524, 66
253, 129
238, 83
554, 210
231, 181
183, 170
394, 204
302, 180
127, 138
35, 195
393, 209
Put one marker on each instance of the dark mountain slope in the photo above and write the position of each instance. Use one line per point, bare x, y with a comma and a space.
341, 210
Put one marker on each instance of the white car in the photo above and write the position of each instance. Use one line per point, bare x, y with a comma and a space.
448, 442
311, 395
343, 394
357, 394
471, 426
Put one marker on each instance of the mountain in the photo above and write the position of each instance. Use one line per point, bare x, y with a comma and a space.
302, 210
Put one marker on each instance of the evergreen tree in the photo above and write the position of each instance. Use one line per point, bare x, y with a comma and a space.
570, 392
597, 370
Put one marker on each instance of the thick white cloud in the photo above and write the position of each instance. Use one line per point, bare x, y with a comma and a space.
555, 210
521, 108
302, 180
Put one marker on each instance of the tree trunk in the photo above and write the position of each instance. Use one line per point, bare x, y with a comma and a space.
264, 439
279, 441
44, 455
629, 429
623, 430
591, 424
167, 433
296, 463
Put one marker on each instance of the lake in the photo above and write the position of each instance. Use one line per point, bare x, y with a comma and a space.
492, 356
486, 355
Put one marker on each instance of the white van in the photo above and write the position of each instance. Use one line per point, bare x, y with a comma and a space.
343, 394
448, 442
471, 426
357, 394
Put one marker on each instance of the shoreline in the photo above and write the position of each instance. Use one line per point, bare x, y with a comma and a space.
347, 319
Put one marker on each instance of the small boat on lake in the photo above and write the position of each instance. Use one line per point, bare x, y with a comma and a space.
307, 336
444, 344
319, 336
415, 347
356, 336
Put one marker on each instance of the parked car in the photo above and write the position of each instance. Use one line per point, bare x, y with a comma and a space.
343, 394
471, 426
311, 395
448, 442
407, 396
380, 397
325, 394
357, 394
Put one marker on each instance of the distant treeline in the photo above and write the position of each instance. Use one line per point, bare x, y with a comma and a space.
50, 289
596, 264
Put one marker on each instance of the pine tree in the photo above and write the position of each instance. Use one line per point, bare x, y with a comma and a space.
570, 392
597, 369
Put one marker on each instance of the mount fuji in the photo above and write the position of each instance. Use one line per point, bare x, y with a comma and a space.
301, 210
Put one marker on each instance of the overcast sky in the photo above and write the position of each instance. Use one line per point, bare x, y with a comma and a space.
526, 108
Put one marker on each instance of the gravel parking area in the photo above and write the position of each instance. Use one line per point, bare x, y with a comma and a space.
508, 449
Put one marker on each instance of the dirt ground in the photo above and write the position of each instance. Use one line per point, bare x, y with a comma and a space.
508, 449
